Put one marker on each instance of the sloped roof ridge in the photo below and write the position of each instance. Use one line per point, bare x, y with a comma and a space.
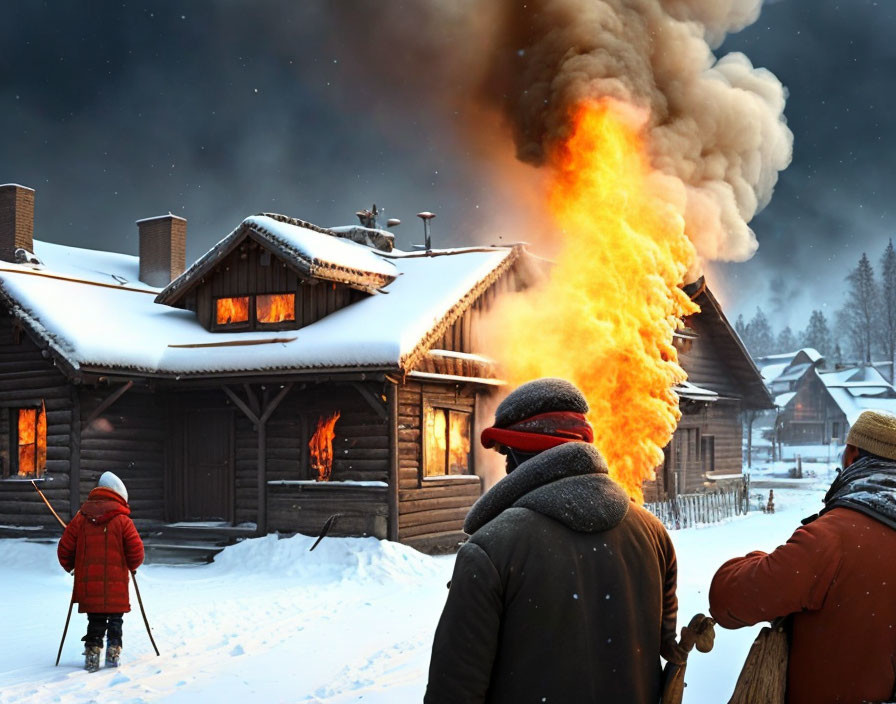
410, 360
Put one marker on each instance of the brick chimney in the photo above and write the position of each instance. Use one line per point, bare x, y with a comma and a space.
163, 244
16, 220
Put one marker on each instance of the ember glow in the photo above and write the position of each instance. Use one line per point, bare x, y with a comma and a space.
321, 446
275, 308
232, 310
605, 319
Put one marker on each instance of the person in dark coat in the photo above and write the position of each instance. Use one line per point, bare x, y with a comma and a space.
836, 575
565, 591
102, 545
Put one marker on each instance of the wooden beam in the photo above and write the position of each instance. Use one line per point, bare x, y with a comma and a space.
272, 406
108, 401
253, 400
375, 403
74, 463
239, 403
392, 401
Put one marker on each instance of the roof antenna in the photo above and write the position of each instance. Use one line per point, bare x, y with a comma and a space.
426, 216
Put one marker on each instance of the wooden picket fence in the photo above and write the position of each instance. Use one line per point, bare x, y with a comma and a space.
687, 510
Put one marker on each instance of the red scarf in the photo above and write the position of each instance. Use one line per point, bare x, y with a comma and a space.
541, 432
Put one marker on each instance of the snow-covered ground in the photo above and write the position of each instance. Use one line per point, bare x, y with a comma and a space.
270, 621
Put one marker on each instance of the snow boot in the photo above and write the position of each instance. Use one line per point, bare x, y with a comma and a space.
113, 655
92, 657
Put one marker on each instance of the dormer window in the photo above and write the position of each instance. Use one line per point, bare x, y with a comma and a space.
260, 312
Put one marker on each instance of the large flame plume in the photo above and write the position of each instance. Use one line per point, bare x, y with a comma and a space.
606, 317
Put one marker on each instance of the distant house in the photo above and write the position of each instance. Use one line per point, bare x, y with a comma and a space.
723, 382
782, 372
825, 404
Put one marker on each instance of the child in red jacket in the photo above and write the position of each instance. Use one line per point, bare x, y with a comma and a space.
102, 545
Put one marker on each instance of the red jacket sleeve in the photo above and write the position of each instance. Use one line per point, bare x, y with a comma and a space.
761, 587
133, 545
68, 543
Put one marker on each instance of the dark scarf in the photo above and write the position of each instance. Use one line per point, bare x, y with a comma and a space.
868, 485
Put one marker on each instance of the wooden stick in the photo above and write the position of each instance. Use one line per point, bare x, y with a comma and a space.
61, 522
65, 630
143, 611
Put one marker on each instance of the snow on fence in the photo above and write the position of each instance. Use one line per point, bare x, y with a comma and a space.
687, 510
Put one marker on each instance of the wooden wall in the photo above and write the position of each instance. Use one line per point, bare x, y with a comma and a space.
26, 379
809, 417
360, 453
431, 511
127, 438
242, 273
705, 366
686, 456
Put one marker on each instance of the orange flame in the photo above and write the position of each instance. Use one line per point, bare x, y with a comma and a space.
275, 308
321, 446
606, 316
232, 310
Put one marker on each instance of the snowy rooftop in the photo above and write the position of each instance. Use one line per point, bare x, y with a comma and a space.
94, 312
859, 389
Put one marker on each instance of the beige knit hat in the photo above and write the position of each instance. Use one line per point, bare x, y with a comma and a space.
874, 432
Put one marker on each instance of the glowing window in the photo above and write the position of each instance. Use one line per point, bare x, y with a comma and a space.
447, 442
275, 308
31, 442
232, 311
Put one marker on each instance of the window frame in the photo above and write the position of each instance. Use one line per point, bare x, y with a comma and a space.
10, 469
253, 324
427, 406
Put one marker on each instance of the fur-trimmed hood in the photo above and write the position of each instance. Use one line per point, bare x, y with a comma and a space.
568, 483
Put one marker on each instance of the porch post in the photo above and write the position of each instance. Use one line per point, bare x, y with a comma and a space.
261, 428
392, 400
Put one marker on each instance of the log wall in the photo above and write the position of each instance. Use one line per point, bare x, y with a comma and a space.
127, 438
26, 379
431, 511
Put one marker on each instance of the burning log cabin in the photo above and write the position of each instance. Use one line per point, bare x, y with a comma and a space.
291, 373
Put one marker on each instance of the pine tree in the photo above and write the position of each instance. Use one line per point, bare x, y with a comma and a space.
740, 327
786, 341
861, 308
817, 334
887, 325
759, 339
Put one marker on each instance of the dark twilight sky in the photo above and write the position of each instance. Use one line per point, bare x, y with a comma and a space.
219, 110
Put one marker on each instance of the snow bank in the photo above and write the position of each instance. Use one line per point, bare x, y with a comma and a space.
352, 560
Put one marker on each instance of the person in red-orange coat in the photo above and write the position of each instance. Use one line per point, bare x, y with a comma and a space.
102, 545
836, 575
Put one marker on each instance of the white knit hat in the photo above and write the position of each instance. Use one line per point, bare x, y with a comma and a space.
111, 481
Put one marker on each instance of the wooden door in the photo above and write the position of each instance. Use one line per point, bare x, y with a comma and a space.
208, 465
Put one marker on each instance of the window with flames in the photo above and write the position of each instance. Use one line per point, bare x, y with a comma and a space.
26, 453
255, 312
446, 437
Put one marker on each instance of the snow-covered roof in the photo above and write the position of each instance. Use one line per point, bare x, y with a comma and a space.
782, 400
311, 250
93, 312
770, 372
695, 393
859, 389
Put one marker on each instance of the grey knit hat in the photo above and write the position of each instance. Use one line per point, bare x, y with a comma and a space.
874, 432
545, 395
